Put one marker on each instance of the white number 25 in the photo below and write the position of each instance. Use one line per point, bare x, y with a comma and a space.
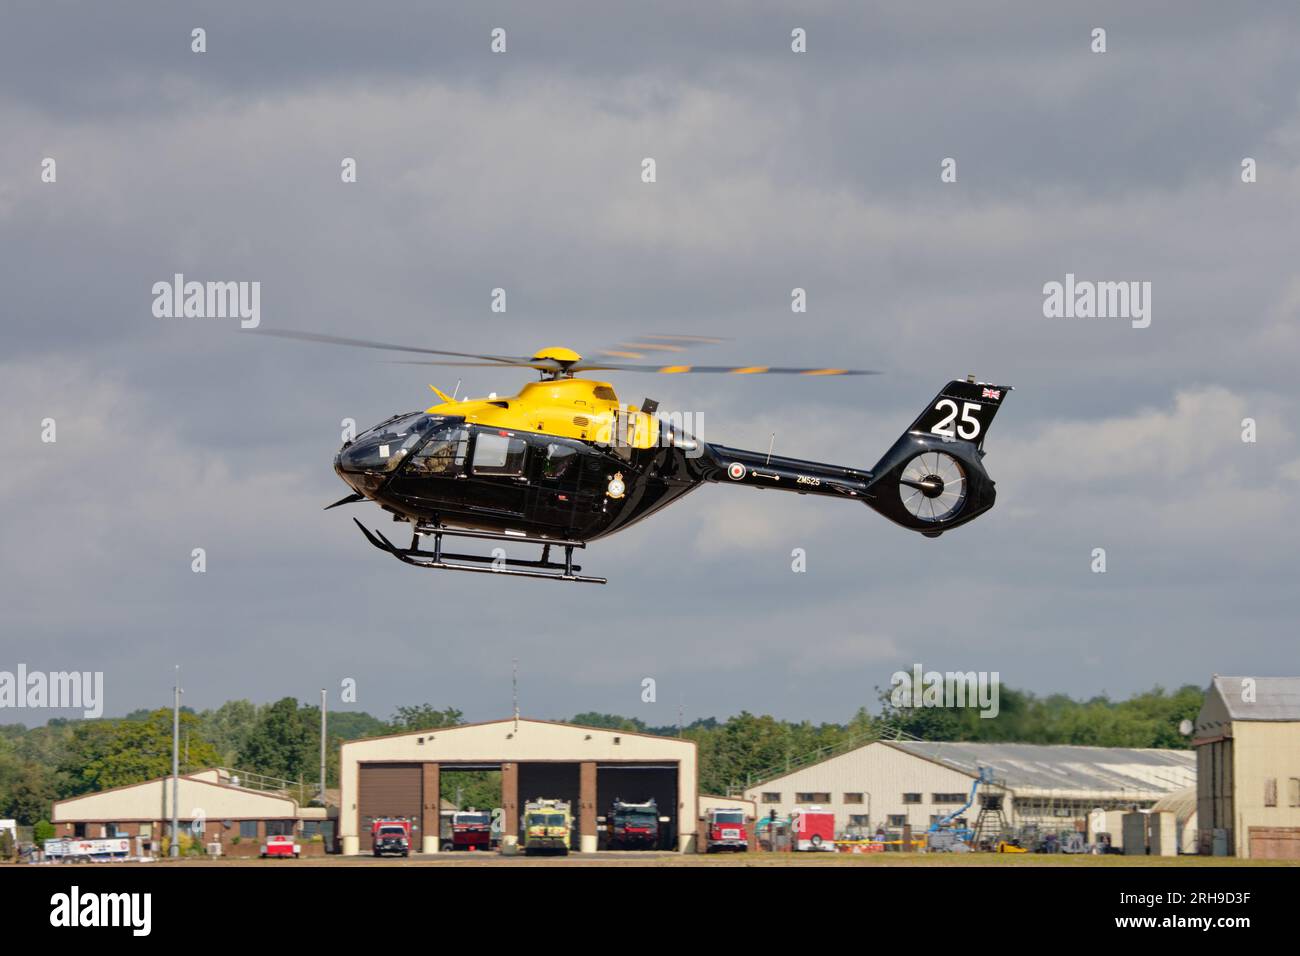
967, 428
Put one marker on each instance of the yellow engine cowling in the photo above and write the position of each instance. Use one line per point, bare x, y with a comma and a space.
570, 407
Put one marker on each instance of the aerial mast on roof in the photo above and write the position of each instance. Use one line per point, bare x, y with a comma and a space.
514, 684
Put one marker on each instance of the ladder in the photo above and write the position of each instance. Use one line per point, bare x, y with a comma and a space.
990, 825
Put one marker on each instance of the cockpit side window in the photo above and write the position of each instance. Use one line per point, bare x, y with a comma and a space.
559, 461
499, 454
443, 454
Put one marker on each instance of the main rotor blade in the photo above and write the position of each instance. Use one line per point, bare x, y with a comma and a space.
670, 343
549, 365
637, 346
716, 369
370, 344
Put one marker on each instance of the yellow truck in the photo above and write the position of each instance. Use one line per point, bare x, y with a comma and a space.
547, 826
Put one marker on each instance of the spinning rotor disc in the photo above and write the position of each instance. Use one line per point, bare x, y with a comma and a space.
945, 486
561, 362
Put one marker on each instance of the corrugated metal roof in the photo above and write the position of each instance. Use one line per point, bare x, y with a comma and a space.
1055, 768
1181, 803
1275, 698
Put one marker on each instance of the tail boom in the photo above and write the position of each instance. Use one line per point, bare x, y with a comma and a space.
932, 479
760, 470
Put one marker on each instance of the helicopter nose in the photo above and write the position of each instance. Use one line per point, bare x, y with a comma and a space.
369, 454
351, 460
382, 449
363, 482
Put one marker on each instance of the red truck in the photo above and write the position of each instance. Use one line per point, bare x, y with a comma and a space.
391, 836
727, 830
633, 826
471, 830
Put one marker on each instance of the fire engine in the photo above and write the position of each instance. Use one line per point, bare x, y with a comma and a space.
727, 830
391, 836
546, 826
633, 826
471, 830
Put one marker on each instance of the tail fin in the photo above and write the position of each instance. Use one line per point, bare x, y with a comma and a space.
933, 477
962, 411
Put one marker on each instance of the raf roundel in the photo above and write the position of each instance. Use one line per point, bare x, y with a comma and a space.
736, 471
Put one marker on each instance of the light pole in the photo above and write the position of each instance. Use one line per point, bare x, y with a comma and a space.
322, 746
175, 847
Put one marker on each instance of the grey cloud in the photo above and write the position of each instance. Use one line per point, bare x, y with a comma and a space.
775, 171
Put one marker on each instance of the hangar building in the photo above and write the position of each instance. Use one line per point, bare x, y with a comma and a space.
398, 776
1247, 740
214, 807
897, 783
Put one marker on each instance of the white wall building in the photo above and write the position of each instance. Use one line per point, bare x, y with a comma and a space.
892, 783
1247, 739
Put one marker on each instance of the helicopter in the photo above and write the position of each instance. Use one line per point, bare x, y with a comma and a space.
564, 462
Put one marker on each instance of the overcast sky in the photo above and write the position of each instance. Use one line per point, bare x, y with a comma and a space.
775, 170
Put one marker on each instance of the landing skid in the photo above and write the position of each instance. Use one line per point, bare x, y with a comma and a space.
439, 560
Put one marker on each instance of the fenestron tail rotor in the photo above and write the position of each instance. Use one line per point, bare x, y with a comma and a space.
932, 486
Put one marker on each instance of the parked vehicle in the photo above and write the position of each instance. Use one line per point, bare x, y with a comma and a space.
813, 828
633, 826
281, 846
950, 833
547, 826
391, 836
471, 830
75, 851
727, 830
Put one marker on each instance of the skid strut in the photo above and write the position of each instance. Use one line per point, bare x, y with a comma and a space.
440, 560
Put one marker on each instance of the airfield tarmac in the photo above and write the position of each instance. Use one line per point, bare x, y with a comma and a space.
624, 859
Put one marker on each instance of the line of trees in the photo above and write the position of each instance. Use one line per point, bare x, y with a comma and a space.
745, 747
65, 758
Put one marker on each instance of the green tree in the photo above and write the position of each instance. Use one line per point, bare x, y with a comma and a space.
228, 727
114, 753
355, 724
32, 797
424, 717
480, 789
744, 747
611, 722
283, 743
65, 757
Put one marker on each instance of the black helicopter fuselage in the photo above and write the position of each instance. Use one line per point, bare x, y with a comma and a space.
440, 471
453, 477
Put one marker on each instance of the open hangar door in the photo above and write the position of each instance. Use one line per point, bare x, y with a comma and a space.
389, 791
552, 781
637, 783
465, 786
